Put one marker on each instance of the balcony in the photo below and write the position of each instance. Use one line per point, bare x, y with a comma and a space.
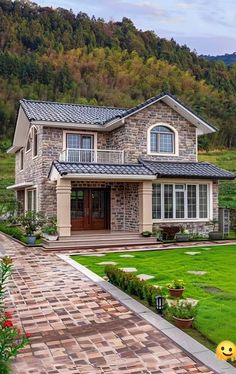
99, 156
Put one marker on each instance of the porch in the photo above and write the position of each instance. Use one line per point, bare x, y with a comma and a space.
97, 239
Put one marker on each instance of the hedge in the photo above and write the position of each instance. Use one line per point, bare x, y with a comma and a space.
132, 285
15, 232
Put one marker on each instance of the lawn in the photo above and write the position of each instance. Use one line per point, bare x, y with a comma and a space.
225, 159
216, 290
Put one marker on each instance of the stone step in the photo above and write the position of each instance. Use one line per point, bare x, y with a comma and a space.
77, 244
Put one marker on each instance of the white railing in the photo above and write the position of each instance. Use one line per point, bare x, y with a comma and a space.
100, 156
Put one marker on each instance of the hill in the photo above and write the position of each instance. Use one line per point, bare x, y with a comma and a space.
57, 55
227, 58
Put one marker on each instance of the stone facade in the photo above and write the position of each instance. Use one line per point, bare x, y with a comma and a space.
124, 205
130, 137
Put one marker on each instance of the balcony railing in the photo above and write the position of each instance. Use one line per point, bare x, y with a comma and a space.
100, 156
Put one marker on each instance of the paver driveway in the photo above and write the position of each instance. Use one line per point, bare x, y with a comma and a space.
79, 328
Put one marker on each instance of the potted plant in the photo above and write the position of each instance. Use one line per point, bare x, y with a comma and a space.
50, 232
183, 313
31, 221
169, 232
176, 288
146, 234
182, 235
215, 234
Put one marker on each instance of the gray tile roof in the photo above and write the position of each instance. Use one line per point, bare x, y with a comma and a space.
187, 169
82, 168
69, 113
146, 167
85, 114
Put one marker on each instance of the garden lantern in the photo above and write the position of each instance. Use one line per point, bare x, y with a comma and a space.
160, 301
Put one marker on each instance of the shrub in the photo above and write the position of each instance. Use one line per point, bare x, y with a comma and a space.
169, 232
11, 338
15, 232
32, 221
132, 285
176, 284
182, 309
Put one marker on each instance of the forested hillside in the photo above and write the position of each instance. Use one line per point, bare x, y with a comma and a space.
228, 58
57, 55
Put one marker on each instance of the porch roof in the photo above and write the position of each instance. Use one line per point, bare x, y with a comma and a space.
202, 170
71, 168
144, 169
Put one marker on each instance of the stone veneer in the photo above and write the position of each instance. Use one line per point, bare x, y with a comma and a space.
131, 137
124, 203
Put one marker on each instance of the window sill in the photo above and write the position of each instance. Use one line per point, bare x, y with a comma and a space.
179, 220
162, 154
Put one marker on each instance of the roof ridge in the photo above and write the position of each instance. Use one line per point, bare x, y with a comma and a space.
71, 104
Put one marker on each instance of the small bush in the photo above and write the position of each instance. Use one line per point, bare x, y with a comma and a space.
15, 232
169, 232
132, 285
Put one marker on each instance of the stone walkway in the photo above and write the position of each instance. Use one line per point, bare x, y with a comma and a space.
79, 328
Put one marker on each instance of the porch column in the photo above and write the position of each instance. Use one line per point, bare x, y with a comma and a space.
145, 206
63, 191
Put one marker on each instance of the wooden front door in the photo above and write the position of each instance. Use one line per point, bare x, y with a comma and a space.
90, 209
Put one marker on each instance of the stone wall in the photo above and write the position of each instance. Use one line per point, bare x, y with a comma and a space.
132, 137
124, 203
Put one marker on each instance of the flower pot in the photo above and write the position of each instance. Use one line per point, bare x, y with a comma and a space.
176, 292
215, 235
31, 239
183, 323
52, 237
182, 237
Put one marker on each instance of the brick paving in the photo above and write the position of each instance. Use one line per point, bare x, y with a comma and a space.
79, 328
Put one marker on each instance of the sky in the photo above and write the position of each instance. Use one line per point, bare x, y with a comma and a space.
208, 26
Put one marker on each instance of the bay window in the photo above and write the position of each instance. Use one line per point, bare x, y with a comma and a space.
180, 201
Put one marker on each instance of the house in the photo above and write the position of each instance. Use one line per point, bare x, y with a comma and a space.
105, 168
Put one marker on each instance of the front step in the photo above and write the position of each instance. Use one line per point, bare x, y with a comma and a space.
95, 242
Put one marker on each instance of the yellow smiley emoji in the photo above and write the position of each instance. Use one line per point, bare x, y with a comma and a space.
226, 350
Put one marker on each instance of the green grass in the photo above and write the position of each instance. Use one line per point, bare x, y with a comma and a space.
7, 171
216, 290
226, 159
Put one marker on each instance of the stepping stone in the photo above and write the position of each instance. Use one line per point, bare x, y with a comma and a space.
192, 253
144, 277
197, 272
156, 286
128, 270
107, 263
126, 256
206, 249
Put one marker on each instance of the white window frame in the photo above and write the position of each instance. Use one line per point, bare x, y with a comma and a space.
176, 140
33, 143
94, 134
34, 188
22, 160
186, 219
29, 134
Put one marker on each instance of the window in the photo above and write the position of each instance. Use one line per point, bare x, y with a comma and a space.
180, 201
31, 200
35, 142
29, 142
162, 140
80, 147
21, 159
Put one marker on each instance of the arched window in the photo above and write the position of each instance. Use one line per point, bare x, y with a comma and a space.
162, 140
29, 142
35, 142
